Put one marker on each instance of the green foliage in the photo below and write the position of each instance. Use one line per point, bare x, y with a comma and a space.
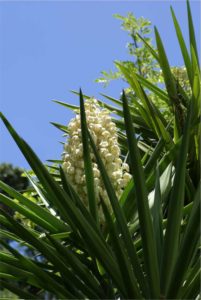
142, 60
149, 248
13, 176
145, 62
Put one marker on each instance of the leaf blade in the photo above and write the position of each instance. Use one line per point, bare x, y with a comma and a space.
149, 246
88, 163
175, 209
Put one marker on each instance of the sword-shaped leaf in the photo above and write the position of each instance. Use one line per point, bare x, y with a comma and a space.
192, 32
92, 198
146, 225
121, 220
171, 242
183, 47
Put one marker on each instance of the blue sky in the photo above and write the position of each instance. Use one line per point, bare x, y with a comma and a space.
49, 48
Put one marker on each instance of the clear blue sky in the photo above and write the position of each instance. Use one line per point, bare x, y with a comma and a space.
50, 48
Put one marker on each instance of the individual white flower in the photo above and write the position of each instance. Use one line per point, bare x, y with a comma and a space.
125, 167
70, 170
109, 157
126, 177
96, 172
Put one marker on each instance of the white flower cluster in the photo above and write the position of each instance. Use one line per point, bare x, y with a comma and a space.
104, 133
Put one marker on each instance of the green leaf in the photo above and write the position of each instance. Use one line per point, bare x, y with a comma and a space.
172, 234
118, 102
187, 249
196, 86
149, 111
67, 105
124, 264
75, 197
27, 213
169, 80
78, 94
34, 208
8, 235
17, 272
60, 127
41, 277
146, 226
121, 220
192, 32
157, 216
183, 47
92, 288
111, 108
92, 197
155, 156
152, 87
170, 85
191, 288
54, 258
16, 290
126, 201
10, 259
151, 50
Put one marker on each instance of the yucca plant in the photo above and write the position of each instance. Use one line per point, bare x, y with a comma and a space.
149, 245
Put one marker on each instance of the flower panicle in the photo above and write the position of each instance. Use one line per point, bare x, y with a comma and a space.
104, 134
